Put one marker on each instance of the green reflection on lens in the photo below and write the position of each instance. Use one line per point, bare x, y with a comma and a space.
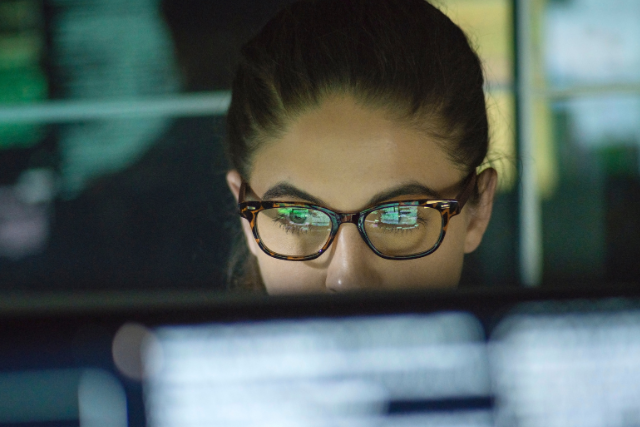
399, 215
305, 216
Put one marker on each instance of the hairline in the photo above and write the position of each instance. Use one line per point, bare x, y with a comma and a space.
429, 122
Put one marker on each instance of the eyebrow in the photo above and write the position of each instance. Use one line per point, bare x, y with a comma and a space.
283, 190
404, 190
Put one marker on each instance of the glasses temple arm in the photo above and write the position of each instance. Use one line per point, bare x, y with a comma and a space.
466, 192
241, 194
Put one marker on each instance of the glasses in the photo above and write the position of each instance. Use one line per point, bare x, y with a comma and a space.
396, 230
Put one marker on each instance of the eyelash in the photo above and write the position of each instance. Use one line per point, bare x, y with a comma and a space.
285, 225
293, 229
420, 221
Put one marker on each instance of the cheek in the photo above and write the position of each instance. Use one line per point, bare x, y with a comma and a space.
441, 269
438, 270
282, 277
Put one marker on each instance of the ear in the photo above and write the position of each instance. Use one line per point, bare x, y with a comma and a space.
234, 181
480, 212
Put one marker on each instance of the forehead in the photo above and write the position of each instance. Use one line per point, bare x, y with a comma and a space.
344, 154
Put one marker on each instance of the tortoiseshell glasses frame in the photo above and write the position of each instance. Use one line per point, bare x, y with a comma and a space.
447, 208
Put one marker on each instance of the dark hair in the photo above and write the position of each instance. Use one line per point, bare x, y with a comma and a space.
404, 56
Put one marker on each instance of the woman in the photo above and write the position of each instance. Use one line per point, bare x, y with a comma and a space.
356, 130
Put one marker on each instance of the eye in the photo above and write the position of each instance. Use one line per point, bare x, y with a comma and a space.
298, 220
298, 216
294, 215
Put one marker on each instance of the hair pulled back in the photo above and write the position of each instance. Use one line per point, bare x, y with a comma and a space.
401, 55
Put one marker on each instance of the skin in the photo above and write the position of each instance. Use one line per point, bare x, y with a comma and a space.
345, 155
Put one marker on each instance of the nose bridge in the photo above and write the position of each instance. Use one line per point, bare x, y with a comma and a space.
346, 218
349, 267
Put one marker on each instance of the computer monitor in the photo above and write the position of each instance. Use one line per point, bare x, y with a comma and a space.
464, 358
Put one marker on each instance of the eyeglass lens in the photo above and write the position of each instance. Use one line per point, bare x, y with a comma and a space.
403, 230
393, 231
294, 231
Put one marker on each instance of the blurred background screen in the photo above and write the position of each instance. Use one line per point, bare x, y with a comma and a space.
112, 170
112, 121
498, 359
394, 370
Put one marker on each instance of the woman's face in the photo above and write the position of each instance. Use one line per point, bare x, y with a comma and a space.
346, 155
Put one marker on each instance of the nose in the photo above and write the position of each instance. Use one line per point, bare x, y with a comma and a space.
351, 266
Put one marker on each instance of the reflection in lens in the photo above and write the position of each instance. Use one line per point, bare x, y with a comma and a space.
403, 230
294, 231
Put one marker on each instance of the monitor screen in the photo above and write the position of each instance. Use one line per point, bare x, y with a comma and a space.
507, 358
405, 369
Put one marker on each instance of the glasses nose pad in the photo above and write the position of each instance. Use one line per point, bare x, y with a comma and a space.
351, 218
354, 218
348, 218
